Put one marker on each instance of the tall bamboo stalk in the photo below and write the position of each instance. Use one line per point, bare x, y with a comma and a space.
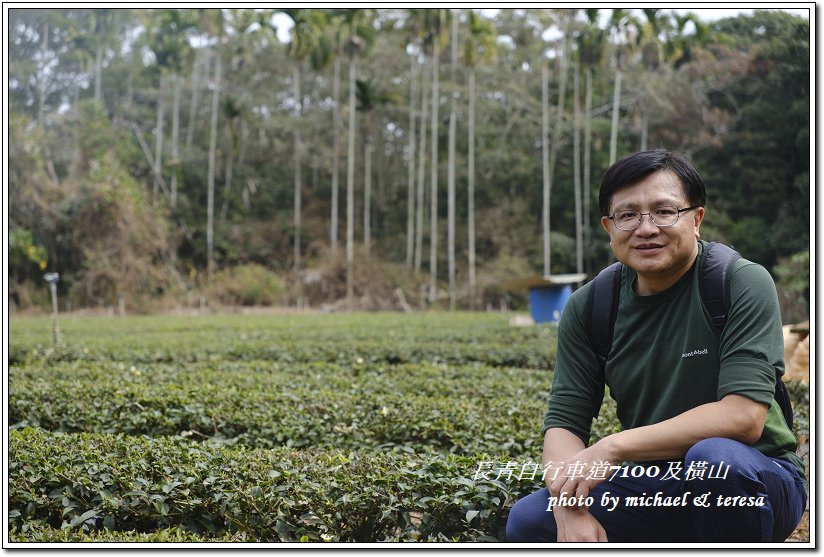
350, 188
410, 181
333, 221
451, 168
210, 180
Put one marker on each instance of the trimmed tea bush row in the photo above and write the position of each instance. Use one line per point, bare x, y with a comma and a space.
96, 482
464, 410
387, 338
36, 533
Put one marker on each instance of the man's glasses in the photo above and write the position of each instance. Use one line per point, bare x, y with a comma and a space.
660, 217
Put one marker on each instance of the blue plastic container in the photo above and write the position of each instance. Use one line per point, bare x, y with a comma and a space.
547, 302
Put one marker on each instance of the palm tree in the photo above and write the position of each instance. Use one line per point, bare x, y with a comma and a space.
421, 189
479, 45
369, 99
210, 179
104, 30
161, 106
175, 162
307, 26
591, 43
232, 112
44, 22
650, 43
425, 25
410, 198
678, 44
170, 44
576, 158
411, 42
620, 24
545, 216
359, 35
212, 22
233, 106
333, 27
451, 166
556, 139
101, 18
433, 216
199, 72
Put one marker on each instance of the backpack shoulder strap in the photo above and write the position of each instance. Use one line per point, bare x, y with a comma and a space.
603, 311
601, 319
714, 270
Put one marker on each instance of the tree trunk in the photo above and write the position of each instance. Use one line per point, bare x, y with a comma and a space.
471, 188
433, 216
545, 161
333, 221
451, 169
228, 171
616, 102
298, 163
587, 166
644, 127
210, 181
367, 195
350, 188
130, 80
41, 82
421, 174
245, 189
98, 73
147, 152
161, 109
199, 65
576, 157
556, 133
175, 138
410, 200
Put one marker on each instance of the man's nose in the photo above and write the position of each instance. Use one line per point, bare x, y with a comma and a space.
647, 227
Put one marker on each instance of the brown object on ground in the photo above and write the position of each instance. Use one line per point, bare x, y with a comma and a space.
791, 341
798, 367
802, 531
797, 352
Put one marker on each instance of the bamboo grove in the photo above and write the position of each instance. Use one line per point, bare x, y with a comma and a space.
382, 158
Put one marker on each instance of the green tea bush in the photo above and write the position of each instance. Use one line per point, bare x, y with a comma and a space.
375, 338
36, 533
356, 427
96, 483
406, 407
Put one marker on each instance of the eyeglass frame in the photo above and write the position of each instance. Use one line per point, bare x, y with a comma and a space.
651, 218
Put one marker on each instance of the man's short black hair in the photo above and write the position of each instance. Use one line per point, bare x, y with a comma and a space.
637, 166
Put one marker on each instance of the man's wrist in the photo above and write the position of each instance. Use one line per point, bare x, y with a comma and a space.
569, 511
613, 447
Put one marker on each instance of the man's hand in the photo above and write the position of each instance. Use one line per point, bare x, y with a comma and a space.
578, 525
584, 470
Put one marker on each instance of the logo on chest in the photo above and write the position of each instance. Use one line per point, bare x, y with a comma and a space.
697, 352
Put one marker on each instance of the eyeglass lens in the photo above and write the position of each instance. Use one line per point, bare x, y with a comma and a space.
660, 216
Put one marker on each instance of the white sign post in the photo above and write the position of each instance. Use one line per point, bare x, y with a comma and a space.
53, 279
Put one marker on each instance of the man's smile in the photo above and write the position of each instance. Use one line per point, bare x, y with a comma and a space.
649, 248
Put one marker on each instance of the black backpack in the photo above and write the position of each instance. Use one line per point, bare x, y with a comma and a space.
714, 268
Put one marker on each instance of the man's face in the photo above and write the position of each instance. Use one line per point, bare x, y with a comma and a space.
660, 255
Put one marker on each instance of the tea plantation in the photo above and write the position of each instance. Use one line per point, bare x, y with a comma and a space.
361, 427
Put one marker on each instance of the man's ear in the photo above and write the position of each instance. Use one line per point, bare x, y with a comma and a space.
698, 218
605, 225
